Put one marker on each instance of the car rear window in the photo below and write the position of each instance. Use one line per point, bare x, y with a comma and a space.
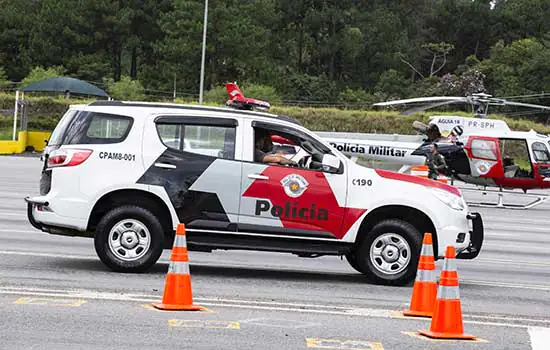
84, 127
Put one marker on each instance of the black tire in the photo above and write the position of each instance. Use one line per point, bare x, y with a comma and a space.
352, 260
147, 258
405, 231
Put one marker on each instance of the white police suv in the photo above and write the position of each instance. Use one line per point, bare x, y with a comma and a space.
126, 173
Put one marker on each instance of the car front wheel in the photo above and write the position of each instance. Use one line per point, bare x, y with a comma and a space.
129, 239
389, 253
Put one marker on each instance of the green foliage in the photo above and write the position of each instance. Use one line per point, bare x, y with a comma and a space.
393, 84
356, 96
523, 67
45, 112
41, 73
216, 95
6, 133
125, 89
3, 78
309, 88
324, 52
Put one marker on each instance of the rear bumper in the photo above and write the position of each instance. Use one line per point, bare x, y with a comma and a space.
476, 238
46, 221
30, 206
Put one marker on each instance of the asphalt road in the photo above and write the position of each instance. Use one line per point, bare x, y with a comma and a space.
55, 293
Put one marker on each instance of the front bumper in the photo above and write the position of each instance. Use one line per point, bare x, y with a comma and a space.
476, 238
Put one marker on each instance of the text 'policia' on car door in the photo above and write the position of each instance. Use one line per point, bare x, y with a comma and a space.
198, 170
286, 200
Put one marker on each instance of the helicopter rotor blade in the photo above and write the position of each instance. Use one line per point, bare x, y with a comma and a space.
520, 104
421, 99
423, 108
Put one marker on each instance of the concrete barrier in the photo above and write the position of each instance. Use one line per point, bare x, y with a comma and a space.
25, 139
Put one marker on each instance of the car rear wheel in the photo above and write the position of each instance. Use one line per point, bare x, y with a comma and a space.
352, 260
129, 239
389, 253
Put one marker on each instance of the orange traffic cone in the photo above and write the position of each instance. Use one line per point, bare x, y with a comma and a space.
177, 290
425, 286
447, 316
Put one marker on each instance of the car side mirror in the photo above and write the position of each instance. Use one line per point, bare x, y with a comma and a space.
331, 164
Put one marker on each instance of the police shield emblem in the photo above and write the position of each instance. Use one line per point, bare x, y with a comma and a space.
294, 185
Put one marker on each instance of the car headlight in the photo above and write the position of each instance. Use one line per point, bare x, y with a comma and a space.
453, 201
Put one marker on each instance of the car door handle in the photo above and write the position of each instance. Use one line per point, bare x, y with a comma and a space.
258, 177
165, 165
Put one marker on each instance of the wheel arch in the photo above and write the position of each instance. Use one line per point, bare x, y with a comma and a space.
141, 198
415, 217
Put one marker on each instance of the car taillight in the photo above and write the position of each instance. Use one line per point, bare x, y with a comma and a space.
68, 157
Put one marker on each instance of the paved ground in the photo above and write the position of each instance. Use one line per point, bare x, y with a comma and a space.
55, 292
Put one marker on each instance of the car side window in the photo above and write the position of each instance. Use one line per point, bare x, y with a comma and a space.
208, 140
301, 150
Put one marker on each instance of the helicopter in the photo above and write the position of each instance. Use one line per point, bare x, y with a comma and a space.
485, 152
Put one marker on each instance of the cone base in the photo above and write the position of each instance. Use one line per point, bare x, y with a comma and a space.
439, 335
417, 313
176, 307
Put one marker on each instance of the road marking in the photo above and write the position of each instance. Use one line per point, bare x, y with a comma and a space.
13, 213
539, 337
21, 231
49, 301
420, 336
279, 323
343, 344
504, 284
204, 324
47, 255
513, 262
247, 304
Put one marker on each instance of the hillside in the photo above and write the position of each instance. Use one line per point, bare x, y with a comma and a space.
44, 113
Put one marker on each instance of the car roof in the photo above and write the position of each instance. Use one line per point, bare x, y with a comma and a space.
243, 113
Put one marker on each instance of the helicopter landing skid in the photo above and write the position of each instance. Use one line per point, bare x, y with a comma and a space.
538, 199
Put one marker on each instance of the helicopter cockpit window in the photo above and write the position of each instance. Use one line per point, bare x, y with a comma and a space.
485, 149
540, 152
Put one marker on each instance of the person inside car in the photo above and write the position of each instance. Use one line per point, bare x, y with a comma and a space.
263, 148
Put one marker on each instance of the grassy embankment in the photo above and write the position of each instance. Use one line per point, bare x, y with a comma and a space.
44, 113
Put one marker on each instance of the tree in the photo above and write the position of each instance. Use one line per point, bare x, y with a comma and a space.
40, 73
521, 68
438, 51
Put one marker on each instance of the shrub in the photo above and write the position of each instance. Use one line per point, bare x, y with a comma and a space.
125, 89
40, 73
356, 96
